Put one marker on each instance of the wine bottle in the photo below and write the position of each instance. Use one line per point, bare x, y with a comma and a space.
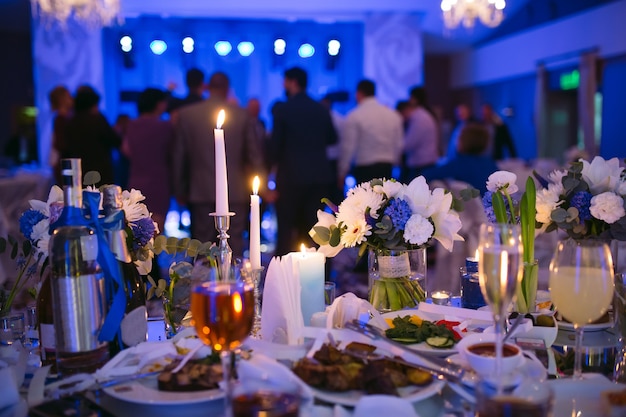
77, 282
45, 320
134, 325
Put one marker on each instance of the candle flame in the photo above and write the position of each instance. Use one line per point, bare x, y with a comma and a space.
255, 184
220, 118
504, 266
237, 303
476, 255
302, 248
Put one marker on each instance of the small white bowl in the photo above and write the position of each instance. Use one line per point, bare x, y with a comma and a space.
485, 365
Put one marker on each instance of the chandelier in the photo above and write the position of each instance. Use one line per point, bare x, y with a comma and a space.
456, 12
92, 12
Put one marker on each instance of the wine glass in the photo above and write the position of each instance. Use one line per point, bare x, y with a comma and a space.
581, 286
223, 312
499, 271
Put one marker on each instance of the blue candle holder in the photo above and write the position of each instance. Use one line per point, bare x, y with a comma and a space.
471, 295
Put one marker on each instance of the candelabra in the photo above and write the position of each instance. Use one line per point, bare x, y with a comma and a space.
224, 253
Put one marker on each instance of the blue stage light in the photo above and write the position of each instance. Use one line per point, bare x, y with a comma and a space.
333, 47
245, 48
188, 45
279, 46
126, 42
158, 46
306, 50
223, 48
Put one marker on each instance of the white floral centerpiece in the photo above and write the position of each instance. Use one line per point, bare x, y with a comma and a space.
385, 216
586, 201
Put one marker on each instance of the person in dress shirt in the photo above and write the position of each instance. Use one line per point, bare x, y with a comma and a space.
372, 138
421, 141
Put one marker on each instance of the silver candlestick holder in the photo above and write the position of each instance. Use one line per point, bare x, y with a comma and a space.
254, 276
224, 253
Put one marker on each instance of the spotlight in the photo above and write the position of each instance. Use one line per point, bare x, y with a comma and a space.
158, 46
245, 48
279, 46
126, 43
306, 50
223, 48
188, 45
333, 47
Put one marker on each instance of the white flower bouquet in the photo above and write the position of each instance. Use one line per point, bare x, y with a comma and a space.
386, 215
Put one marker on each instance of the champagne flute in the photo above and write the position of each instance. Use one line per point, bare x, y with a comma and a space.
223, 312
499, 271
581, 286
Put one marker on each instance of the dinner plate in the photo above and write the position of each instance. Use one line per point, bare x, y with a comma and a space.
423, 347
581, 398
146, 391
411, 393
594, 327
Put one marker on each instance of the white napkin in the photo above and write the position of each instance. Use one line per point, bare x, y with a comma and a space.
349, 307
12, 370
9, 393
281, 317
384, 405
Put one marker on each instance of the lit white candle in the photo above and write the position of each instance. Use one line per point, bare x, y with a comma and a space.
221, 176
440, 297
255, 226
310, 266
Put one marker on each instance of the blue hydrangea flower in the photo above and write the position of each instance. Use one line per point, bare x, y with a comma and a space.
143, 230
582, 201
488, 207
399, 212
28, 220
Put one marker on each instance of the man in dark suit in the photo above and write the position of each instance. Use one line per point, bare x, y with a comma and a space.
303, 129
500, 145
194, 162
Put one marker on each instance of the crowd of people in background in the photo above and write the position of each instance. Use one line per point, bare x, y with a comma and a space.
309, 151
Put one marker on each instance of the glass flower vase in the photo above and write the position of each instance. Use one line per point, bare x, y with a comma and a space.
397, 278
526, 295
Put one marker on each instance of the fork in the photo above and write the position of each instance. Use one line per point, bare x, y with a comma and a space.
438, 367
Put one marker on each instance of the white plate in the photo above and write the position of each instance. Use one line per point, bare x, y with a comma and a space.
588, 327
424, 347
351, 398
146, 391
581, 398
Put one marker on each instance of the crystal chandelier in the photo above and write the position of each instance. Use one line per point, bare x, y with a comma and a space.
92, 12
456, 12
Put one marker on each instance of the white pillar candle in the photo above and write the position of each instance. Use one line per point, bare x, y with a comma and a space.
310, 266
221, 177
255, 226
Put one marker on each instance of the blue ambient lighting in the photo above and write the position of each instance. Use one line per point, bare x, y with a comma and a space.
223, 48
333, 47
245, 48
158, 47
306, 50
188, 45
126, 42
279, 46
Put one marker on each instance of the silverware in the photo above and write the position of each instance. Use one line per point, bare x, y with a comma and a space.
438, 367
518, 320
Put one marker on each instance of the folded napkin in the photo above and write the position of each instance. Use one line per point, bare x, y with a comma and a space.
12, 369
349, 307
281, 316
9, 394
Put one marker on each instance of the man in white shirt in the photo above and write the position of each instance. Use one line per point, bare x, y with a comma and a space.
421, 142
372, 138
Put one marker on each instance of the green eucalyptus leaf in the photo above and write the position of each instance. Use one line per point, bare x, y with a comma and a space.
192, 248
159, 244
92, 178
559, 215
576, 167
171, 246
572, 214
323, 233
335, 237
14, 248
570, 184
469, 193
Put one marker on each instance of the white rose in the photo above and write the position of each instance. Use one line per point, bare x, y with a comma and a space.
502, 180
602, 175
608, 207
418, 230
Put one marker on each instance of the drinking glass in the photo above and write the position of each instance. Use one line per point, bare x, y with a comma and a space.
223, 313
581, 286
499, 271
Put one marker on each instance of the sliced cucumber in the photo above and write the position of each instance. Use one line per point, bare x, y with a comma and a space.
439, 341
405, 340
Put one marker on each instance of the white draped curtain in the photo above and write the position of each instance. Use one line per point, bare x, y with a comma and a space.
586, 102
393, 55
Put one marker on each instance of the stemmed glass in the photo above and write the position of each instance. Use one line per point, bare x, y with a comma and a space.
223, 312
581, 286
499, 271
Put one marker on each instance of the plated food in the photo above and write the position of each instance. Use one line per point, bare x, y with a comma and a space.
357, 368
412, 329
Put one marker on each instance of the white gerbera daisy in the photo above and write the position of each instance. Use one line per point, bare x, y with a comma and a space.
355, 233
